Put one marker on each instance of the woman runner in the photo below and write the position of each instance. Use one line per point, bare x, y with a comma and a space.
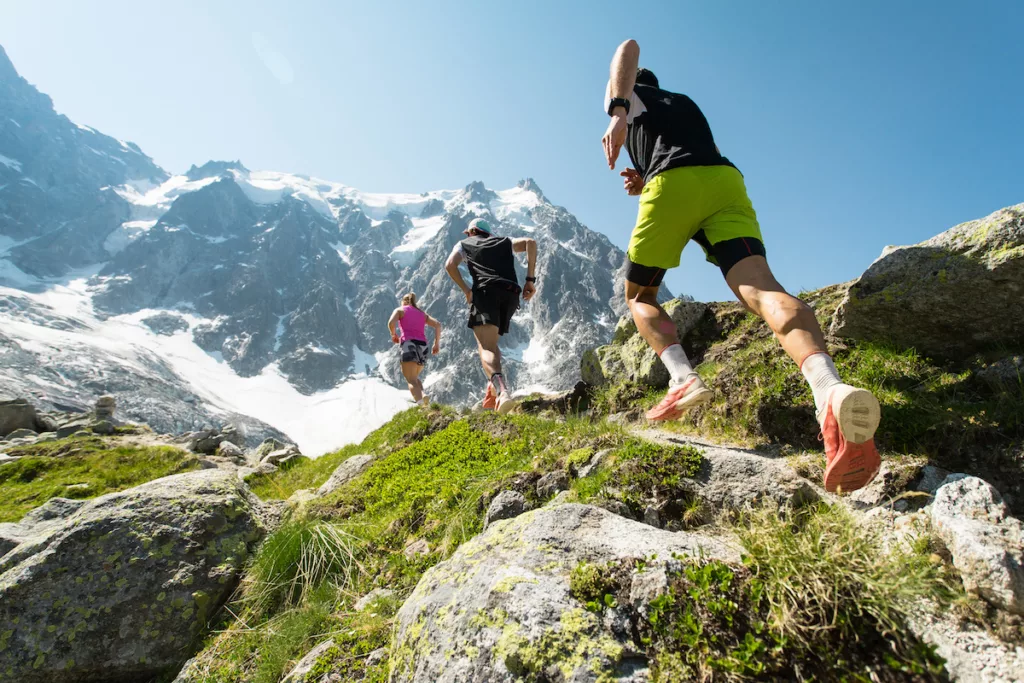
413, 341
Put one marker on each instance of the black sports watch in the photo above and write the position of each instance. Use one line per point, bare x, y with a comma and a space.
617, 102
531, 279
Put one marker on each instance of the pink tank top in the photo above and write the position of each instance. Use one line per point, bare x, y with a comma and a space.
413, 324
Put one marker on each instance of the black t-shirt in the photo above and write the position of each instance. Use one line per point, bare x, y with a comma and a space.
490, 261
668, 130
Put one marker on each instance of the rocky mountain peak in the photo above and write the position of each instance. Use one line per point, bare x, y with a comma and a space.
530, 185
214, 168
477, 192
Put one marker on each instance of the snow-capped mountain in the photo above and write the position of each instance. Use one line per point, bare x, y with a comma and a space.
225, 292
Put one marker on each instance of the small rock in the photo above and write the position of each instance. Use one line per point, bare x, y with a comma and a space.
594, 463
46, 437
345, 472
81, 434
305, 665
417, 548
205, 441
268, 447
45, 423
616, 507
265, 468
986, 543
227, 449
78, 487
21, 434
618, 418
373, 596
551, 483
506, 505
652, 517
15, 413
931, 478
377, 656
105, 427
70, 428
104, 408
281, 456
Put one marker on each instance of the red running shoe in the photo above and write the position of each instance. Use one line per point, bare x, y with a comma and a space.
679, 399
848, 429
490, 398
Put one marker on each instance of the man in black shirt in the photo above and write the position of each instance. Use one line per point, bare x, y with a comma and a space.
689, 191
494, 297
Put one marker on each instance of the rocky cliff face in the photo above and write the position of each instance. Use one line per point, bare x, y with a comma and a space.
118, 277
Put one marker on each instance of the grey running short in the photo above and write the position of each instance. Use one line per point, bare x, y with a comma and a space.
414, 351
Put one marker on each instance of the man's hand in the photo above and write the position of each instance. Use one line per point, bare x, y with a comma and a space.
529, 289
633, 182
615, 137
469, 295
437, 348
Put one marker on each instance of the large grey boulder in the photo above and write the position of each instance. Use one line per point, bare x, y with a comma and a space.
492, 611
344, 473
16, 413
958, 293
986, 543
121, 588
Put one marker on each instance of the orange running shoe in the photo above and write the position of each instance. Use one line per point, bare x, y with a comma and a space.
679, 399
490, 398
848, 429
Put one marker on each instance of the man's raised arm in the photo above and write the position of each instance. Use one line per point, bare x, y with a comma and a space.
620, 86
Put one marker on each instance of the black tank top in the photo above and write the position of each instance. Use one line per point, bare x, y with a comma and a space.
491, 262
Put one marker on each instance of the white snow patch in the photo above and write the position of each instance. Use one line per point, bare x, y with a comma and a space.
279, 332
514, 206
361, 360
125, 235
10, 163
414, 241
87, 129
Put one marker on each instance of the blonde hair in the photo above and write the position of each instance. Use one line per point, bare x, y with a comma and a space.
410, 300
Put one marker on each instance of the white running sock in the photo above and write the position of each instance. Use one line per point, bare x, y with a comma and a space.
820, 372
678, 364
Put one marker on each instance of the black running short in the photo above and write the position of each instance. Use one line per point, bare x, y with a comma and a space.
493, 306
414, 351
725, 255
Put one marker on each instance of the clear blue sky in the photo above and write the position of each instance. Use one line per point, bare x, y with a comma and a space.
856, 124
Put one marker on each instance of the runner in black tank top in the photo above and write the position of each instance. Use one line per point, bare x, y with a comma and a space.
494, 296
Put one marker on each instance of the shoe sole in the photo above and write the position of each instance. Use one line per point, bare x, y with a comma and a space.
857, 412
507, 406
852, 471
687, 402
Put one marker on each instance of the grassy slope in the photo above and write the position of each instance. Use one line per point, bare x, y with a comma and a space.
946, 414
81, 468
431, 480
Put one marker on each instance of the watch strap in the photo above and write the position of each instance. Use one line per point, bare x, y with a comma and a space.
618, 102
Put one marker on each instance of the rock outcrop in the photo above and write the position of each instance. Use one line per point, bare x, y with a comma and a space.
344, 473
986, 543
629, 358
501, 606
118, 588
958, 293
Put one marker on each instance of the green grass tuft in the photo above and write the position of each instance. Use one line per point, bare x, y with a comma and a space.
81, 468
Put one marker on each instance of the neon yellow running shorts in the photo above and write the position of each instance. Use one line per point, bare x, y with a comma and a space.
707, 204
